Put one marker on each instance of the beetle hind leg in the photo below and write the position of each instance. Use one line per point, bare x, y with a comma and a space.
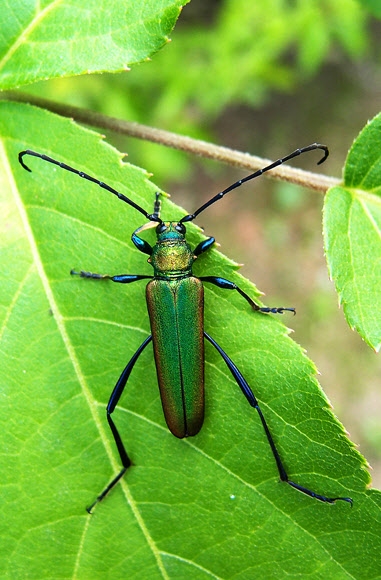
246, 390
114, 399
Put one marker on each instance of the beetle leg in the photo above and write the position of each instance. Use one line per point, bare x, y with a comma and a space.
114, 399
246, 390
203, 246
141, 244
122, 278
228, 285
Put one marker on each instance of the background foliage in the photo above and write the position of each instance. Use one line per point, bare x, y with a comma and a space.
264, 77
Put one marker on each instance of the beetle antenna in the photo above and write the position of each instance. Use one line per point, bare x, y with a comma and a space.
151, 217
157, 206
191, 217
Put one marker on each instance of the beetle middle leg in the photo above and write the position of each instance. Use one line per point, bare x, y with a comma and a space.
228, 285
121, 278
204, 246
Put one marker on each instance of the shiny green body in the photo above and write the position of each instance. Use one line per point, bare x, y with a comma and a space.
175, 300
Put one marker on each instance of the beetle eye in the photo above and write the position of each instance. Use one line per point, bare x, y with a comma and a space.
181, 228
161, 228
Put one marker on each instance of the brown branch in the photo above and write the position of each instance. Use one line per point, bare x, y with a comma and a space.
307, 179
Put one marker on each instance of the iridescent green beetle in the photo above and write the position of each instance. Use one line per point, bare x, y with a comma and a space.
175, 301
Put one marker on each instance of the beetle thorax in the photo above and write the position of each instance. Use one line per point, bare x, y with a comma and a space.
172, 257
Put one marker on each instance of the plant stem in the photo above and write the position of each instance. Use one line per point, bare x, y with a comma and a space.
232, 157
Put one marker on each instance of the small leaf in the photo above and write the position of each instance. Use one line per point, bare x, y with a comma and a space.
352, 231
210, 506
58, 39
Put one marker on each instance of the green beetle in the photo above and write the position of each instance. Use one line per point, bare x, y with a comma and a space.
175, 301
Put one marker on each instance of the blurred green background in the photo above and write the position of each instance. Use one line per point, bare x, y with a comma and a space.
263, 77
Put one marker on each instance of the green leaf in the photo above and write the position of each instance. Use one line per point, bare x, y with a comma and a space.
58, 39
373, 6
352, 231
208, 506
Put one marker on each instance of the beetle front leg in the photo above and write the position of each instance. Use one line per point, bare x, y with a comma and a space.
203, 246
228, 285
114, 399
